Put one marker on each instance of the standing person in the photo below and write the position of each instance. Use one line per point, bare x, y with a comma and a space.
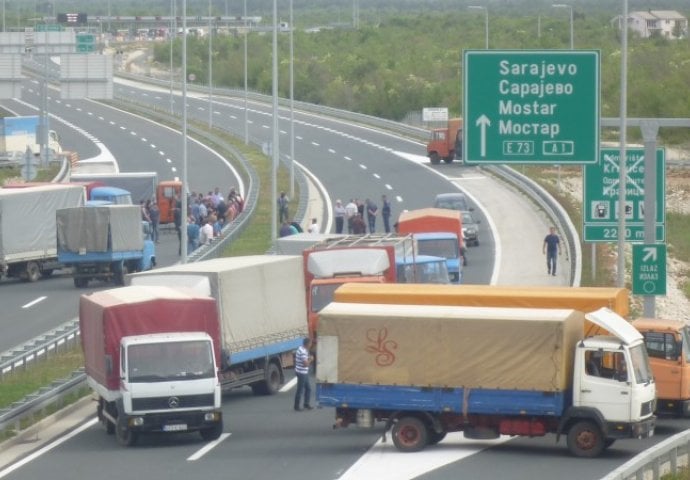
350, 213
192, 234
285, 229
550, 248
386, 213
177, 218
314, 227
340, 213
283, 202
302, 361
358, 225
372, 209
145, 211
206, 233
155, 214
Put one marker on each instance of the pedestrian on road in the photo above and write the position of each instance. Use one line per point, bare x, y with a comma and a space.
339, 213
155, 214
550, 248
351, 212
386, 213
358, 225
314, 227
372, 209
303, 359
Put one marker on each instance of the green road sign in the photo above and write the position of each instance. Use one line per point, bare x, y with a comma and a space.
86, 42
50, 27
601, 197
531, 106
649, 269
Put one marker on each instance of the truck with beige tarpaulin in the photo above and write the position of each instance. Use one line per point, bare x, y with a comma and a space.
667, 340
425, 370
261, 307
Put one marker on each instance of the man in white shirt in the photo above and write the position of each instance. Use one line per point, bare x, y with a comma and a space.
350, 212
314, 227
206, 233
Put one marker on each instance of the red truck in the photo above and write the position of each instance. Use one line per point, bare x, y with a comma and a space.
354, 258
446, 143
152, 355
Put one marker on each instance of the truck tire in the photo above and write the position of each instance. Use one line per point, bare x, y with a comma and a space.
120, 274
81, 282
434, 158
585, 439
449, 158
33, 272
109, 426
273, 379
212, 433
47, 272
125, 436
410, 434
435, 437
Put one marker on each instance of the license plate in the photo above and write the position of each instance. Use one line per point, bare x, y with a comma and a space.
175, 428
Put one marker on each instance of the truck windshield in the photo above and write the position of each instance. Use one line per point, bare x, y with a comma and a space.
640, 362
426, 272
446, 248
322, 295
170, 361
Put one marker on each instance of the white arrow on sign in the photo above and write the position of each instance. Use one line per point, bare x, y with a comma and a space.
483, 122
649, 254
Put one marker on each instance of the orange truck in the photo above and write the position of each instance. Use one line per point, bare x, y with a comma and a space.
167, 193
431, 227
667, 341
353, 258
445, 143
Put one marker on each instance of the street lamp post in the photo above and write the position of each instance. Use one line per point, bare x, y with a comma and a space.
292, 107
172, 36
275, 146
210, 66
486, 23
183, 193
623, 168
570, 10
246, 122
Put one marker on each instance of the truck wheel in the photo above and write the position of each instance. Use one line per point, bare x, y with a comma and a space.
81, 282
272, 382
434, 158
47, 272
449, 158
585, 439
410, 434
33, 272
121, 274
212, 433
435, 437
109, 426
125, 436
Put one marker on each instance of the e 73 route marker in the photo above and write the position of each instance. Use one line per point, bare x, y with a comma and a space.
531, 106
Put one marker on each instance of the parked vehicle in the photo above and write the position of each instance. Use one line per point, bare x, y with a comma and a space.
470, 228
141, 185
444, 245
114, 195
262, 310
168, 193
103, 243
486, 372
437, 221
151, 354
18, 133
28, 246
452, 201
422, 269
446, 143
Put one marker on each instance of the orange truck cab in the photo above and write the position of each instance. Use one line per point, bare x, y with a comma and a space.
445, 143
358, 259
439, 221
167, 193
668, 347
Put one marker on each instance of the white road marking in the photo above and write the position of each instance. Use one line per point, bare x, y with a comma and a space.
389, 187
362, 166
330, 150
210, 446
315, 144
377, 176
399, 199
347, 158
46, 449
288, 385
31, 304
384, 462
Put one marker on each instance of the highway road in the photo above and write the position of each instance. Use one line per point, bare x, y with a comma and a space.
263, 437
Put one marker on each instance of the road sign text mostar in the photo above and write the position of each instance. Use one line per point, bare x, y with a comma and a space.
531, 106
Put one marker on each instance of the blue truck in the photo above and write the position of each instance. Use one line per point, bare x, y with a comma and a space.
104, 243
427, 370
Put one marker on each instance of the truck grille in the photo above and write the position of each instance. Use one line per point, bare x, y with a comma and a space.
647, 408
173, 402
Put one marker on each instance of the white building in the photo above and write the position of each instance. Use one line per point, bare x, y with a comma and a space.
666, 23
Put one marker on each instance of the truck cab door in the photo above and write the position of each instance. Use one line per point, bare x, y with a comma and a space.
666, 359
604, 384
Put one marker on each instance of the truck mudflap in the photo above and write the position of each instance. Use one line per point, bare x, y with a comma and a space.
174, 422
641, 429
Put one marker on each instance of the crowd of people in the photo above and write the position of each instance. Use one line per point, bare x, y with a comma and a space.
206, 216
